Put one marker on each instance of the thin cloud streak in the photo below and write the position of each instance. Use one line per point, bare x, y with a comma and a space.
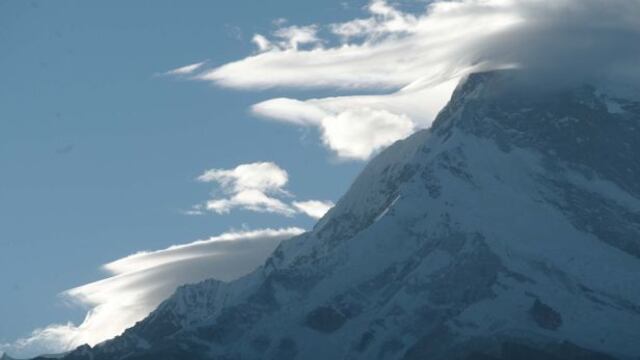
186, 70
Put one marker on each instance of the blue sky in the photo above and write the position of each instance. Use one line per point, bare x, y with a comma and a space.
99, 154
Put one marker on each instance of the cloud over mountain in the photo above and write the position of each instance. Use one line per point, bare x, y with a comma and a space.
140, 282
419, 57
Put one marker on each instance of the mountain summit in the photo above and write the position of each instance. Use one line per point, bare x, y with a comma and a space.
509, 230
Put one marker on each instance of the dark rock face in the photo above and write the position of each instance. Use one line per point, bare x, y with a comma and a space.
499, 234
610, 221
563, 351
286, 350
325, 319
545, 316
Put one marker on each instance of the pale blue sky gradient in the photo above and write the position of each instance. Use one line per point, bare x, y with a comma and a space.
98, 154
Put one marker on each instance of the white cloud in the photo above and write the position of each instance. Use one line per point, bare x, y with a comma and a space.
384, 20
294, 36
262, 176
357, 133
254, 200
139, 282
195, 210
262, 42
314, 208
355, 127
251, 187
256, 187
186, 70
418, 57
287, 38
388, 50
291, 110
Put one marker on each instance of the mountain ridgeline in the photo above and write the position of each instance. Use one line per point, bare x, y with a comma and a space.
510, 230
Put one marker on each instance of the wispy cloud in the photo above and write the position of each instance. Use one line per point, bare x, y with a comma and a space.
291, 37
313, 208
418, 58
256, 187
187, 69
139, 282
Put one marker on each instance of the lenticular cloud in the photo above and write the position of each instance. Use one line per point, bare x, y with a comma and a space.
139, 282
418, 58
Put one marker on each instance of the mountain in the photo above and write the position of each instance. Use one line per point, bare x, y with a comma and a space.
510, 230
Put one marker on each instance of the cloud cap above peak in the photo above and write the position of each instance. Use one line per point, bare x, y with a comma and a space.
418, 57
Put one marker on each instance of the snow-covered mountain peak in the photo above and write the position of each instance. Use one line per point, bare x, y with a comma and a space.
510, 230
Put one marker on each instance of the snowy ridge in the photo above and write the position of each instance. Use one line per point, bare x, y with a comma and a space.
510, 230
